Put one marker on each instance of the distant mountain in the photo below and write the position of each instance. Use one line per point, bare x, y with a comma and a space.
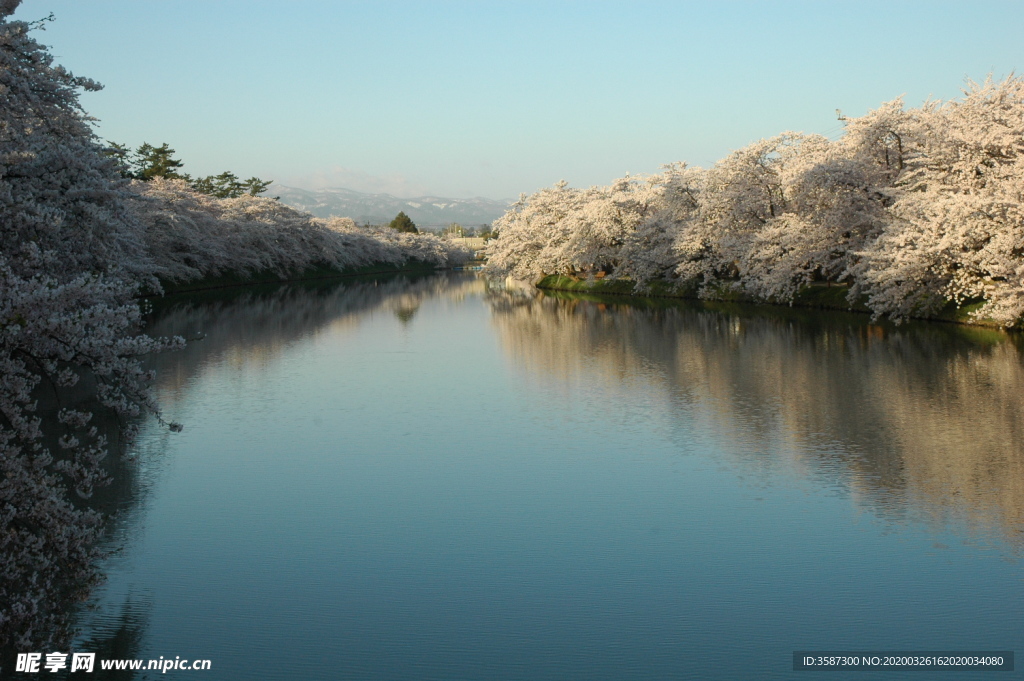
430, 212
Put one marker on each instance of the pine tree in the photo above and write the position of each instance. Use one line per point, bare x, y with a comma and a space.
402, 223
157, 162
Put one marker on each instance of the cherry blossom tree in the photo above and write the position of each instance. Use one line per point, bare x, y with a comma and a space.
741, 195
71, 258
834, 205
956, 231
652, 251
190, 235
578, 232
914, 209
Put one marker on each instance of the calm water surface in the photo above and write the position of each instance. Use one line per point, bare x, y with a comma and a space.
433, 479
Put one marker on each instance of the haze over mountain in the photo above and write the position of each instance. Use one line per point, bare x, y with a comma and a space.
426, 211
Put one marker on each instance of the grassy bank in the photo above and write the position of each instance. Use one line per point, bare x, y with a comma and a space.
820, 297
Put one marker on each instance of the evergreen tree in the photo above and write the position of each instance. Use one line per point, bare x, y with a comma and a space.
402, 223
254, 186
223, 186
228, 186
153, 162
121, 155
148, 162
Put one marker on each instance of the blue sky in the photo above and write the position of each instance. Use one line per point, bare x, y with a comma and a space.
495, 98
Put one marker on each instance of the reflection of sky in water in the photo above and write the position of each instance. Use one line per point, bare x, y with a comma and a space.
421, 481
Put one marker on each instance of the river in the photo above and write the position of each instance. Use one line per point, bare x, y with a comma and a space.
441, 478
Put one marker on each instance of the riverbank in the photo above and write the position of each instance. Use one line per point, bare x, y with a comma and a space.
238, 279
821, 297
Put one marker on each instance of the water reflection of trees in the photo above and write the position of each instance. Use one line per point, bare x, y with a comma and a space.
240, 326
253, 327
920, 421
41, 578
